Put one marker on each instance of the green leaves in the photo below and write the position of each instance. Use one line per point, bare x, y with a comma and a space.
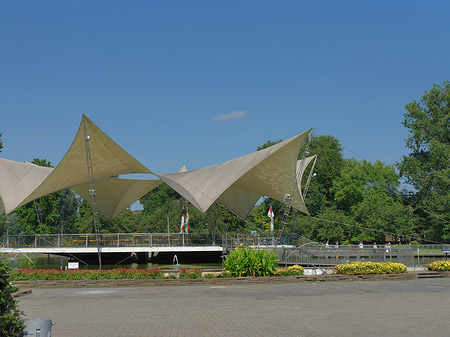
247, 262
10, 324
427, 167
363, 268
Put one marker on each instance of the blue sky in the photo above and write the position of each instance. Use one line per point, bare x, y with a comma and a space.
201, 82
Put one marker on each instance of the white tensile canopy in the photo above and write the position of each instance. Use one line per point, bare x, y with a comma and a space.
108, 160
239, 183
17, 181
301, 167
113, 195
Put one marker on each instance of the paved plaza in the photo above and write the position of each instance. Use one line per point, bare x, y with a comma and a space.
376, 308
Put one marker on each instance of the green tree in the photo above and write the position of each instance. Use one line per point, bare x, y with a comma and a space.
10, 323
67, 211
427, 167
45, 207
369, 194
328, 169
359, 177
85, 221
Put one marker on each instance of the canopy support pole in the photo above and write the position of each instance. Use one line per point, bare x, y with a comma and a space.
92, 193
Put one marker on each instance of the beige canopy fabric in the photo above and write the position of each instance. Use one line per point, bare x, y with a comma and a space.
108, 159
301, 167
17, 181
239, 183
113, 195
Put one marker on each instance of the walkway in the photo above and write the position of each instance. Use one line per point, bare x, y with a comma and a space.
376, 308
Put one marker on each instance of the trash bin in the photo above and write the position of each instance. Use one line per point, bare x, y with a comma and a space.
40, 327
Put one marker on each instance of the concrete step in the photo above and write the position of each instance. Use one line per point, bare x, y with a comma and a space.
429, 274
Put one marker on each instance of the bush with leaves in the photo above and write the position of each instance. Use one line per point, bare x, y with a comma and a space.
10, 324
86, 274
190, 273
248, 262
439, 266
290, 271
363, 268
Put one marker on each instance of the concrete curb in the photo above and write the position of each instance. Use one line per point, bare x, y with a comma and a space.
207, 281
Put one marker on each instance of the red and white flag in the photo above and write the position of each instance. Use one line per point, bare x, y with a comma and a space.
271, 216
187, 221
182, 223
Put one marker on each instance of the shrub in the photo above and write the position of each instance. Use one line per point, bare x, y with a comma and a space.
85, 274
362, 268
190, 273
10, 324
291, 270
439, 266
248, 262
224, 274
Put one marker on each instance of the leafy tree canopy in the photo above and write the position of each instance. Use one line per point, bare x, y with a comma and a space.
427, 167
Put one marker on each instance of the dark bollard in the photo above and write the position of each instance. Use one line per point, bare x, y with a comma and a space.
39, 327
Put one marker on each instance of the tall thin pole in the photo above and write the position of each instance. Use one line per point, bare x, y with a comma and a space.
92, 192
7, 233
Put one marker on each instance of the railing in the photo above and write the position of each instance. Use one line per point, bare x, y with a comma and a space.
111, 240
289, 248
226, 240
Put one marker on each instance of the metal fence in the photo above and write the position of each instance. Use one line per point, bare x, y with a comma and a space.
111, 240
323, 256
289, 248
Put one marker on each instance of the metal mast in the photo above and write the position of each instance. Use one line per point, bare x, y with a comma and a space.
92, 193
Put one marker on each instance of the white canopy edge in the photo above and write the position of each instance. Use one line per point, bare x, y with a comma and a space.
240, 182
108, 159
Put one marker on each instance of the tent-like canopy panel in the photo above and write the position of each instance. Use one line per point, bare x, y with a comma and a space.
239, 183
108, 159
17, 181
113, 195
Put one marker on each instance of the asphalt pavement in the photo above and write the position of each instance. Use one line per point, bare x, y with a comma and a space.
370, 308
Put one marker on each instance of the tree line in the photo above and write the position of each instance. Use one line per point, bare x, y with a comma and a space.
349, 200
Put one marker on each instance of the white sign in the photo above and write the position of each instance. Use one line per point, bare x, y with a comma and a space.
73, 265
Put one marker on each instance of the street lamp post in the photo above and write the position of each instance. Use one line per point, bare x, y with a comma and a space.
7, 233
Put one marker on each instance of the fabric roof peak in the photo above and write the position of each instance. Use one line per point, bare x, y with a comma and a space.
108, 160
240, 182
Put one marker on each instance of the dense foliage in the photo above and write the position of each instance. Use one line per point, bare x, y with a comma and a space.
427, 167
10, 323
363, 268
439, 266
249, 262
86, 274
290, 271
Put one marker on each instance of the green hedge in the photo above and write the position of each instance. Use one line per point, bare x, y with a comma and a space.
85, 274
363, 268
439, 266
